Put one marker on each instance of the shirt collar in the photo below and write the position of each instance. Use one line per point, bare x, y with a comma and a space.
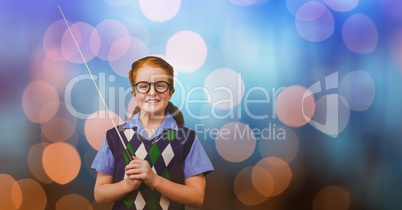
168, 122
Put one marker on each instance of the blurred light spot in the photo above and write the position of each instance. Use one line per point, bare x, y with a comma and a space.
186, 51
40, 101
73, 201
331, 198
97, 206
243, 2
73, 140
314, 21
224, 93
331, 114
16, 195
342, 5
311, 11
125, 51
160, 10
107, 39
10, 193
61, 127
96, 126
33, 195
281, 142
58, 129
244, 187
392, 8
262, 181
61, 162
295, 106
235, 142
293, 6
358, 89
280, 172
52, 39
87, 39
35, 163
360, 34
118, 3
119, 48
57, 73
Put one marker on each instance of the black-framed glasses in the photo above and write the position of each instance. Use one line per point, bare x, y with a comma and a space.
144, 87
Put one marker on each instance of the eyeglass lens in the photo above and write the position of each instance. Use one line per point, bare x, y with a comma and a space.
144, 87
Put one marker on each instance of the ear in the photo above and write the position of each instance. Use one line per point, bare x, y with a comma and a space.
133, 93
172, 91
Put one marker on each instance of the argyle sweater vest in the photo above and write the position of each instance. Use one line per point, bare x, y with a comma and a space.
165, 154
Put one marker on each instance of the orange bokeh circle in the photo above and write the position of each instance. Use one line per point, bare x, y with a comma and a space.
61, 162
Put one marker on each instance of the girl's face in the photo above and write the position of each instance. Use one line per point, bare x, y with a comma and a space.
152, 102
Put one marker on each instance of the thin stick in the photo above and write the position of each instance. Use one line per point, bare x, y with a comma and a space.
96, 86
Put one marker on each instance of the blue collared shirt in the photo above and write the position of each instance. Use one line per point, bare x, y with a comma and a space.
196, 162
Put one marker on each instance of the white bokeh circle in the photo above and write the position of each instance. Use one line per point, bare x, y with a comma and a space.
160, 10
186, 51
226, 88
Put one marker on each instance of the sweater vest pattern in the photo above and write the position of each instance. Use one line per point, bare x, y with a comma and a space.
165, 154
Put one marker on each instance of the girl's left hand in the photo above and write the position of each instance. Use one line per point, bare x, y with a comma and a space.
140, 169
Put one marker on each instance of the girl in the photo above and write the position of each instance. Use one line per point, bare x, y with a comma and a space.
168, 161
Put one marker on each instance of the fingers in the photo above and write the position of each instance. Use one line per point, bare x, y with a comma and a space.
134, 174
137, 169
136, 163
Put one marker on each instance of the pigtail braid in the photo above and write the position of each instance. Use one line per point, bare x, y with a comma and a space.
136, 110
176, 113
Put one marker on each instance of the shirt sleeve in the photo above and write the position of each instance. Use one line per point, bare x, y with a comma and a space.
104, 160
197, 161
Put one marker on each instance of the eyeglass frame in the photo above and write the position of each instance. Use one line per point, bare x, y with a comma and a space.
169, 86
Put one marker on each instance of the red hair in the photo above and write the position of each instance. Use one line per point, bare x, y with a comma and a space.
156, 62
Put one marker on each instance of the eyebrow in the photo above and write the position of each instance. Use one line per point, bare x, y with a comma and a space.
153, 81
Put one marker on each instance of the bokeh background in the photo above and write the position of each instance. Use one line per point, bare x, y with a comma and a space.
297, 102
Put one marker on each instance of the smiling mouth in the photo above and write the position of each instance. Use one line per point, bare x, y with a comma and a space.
152, 101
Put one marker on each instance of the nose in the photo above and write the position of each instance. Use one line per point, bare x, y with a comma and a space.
151, 89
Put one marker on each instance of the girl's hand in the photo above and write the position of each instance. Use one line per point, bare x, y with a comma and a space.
132, 184
139, 169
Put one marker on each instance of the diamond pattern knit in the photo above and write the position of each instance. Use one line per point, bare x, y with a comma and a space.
165, 155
